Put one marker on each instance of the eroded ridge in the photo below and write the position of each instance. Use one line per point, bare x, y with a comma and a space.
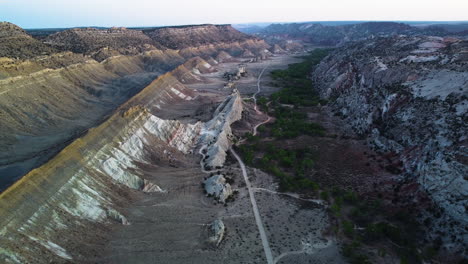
84, 188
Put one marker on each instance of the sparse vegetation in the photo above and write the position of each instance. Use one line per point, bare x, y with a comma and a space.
362, 223
289, 166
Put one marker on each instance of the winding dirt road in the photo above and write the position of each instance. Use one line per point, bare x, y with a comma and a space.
259, 79
254, 97
258, 219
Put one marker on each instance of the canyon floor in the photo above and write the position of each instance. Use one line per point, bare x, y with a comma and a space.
172, 227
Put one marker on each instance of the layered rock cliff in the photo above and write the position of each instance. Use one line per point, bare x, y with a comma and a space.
77, 196
48, 100
408, 96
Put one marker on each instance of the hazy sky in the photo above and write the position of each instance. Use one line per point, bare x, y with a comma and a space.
65, 13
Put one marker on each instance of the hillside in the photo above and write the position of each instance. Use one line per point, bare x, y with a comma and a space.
48, 100
16, 43
335, 35
87, 40
408, 97
192, 36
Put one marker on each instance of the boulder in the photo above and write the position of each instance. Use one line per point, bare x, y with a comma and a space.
216, 230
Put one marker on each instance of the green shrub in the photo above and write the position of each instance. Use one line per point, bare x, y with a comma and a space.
307, 184
353, 253
348, 228
350, 197
324, 195
336, 209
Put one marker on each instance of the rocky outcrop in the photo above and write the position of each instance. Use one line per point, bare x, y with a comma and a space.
216, 230
217, 187
217, 134
408, 95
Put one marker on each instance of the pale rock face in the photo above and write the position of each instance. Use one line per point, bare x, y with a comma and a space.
413, 109
53, 247
217, 132
440, 83
113, 214
196, 71
216, 185
217, 230
417, 59
116, 162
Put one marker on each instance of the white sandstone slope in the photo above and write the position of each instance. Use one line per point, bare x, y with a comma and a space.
83, 187
215, 141
216, 133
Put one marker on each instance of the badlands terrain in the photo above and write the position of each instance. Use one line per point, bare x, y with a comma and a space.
202, 144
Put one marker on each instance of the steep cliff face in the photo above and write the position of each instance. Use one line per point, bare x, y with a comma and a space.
217, 133
408, 95
48, 100
81, 190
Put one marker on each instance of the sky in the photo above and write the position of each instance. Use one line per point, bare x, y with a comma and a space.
66, 13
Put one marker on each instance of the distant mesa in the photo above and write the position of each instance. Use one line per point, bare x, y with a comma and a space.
183, 37
332, 35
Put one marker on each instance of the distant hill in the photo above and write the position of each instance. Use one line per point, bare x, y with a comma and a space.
87, 40
182, 36
321, 34
16, 43
454, 28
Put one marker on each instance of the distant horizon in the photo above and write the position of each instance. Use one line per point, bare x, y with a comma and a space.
42, 14
255, 23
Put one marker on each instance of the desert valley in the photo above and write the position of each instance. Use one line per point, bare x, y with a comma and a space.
293, 143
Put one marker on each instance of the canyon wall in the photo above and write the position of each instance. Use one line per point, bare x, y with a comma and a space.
408, 96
